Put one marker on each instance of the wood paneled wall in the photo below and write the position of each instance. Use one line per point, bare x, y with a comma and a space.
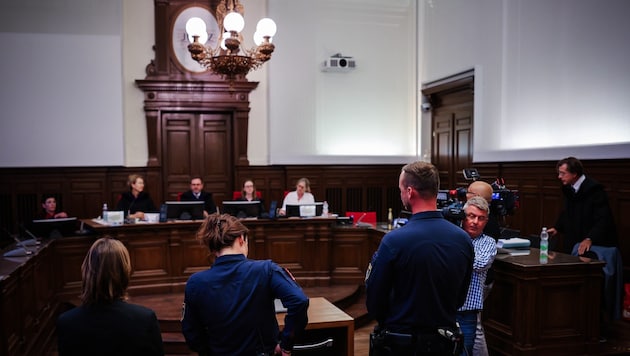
82, 191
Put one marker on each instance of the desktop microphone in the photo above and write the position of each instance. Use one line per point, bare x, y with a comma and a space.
81, 230
360, 224
33, 241
18, 252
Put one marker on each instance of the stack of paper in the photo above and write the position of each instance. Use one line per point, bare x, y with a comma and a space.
514, 242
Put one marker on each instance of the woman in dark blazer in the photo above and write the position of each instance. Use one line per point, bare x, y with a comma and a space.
136, 201
104, 323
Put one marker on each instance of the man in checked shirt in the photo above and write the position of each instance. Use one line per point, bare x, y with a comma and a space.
476, 212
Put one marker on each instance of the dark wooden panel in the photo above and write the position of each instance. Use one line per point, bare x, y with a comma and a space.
536, 182
532, 307
350, 256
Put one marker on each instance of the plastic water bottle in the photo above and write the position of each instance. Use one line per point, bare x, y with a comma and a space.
390, 219
325, 209
544, 246
104, 216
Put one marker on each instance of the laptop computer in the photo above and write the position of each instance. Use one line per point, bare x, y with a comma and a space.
305, 210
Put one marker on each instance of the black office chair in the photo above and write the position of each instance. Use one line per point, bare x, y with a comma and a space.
320, 348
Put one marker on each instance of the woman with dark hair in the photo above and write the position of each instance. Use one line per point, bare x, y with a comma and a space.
249, 191
50, 208
136, 201
104, 323
229, 308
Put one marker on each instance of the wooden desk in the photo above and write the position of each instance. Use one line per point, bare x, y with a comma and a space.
550, 309
164, 255
326, 320
27, 303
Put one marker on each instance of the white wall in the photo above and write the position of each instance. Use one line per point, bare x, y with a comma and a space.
552, 77
367, 115
549, 75
52, 115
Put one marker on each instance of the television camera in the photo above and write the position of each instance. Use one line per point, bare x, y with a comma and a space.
451, 202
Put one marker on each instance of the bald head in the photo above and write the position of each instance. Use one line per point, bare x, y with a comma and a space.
479, 188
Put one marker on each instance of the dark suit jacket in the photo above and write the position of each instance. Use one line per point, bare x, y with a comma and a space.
119, 328
206, 197
131, 204
586, 214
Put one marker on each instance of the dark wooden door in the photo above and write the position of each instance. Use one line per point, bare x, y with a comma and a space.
452, 129
197, 144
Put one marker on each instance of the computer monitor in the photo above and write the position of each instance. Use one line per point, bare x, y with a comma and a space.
243, 208
53, 228
184, 210
305, 210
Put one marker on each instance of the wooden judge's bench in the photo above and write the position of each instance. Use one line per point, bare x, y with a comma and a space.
533, 309
163, 256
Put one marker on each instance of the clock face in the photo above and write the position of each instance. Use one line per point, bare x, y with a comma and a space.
180, 39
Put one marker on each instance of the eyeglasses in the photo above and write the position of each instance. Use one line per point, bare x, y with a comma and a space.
472, 217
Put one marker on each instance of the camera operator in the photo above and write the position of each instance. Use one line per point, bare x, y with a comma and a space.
468, 316
492, 229
420, 274
484, 190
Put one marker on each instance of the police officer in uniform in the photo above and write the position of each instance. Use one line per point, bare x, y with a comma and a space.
419, 275
229, 308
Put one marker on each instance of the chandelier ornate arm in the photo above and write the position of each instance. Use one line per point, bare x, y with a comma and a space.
225, 59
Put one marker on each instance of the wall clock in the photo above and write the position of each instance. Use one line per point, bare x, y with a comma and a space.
180, 41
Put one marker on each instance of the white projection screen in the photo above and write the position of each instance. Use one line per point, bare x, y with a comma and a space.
61, 70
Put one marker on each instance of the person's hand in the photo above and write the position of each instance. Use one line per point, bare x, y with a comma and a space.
139, 215
552, 231
61, 215
280, 351
282, 212
585, 245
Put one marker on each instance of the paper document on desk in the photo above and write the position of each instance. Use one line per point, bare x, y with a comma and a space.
514, 242
279, 307
513, 251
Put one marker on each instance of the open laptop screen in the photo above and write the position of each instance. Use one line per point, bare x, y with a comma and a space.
305, 210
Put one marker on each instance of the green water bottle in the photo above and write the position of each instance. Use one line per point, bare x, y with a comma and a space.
544, 246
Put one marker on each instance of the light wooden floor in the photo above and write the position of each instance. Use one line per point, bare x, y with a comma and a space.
362, 339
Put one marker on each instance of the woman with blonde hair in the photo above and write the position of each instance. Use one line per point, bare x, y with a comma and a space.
136, 201
104, 323
301, 195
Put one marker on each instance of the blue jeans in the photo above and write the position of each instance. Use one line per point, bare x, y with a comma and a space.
468, 323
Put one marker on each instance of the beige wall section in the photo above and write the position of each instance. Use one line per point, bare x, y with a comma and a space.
138, 40
257, 142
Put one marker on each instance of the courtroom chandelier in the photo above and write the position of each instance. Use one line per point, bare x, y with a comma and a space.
229, 58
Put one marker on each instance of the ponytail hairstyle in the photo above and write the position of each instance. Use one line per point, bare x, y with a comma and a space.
219, 231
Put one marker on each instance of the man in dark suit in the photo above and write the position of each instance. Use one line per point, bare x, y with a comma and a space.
586, 218
196, 193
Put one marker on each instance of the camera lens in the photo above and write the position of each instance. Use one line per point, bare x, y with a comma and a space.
343, 63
